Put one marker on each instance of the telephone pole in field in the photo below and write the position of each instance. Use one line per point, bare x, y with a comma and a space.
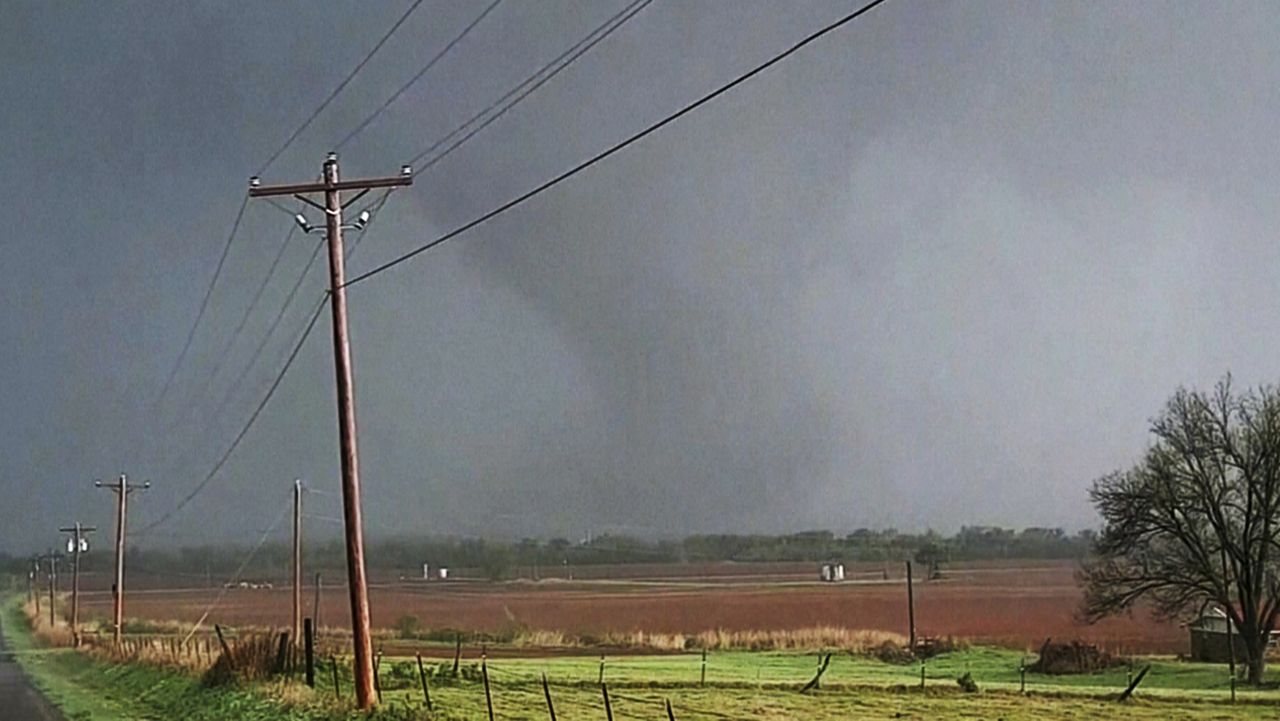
122, 489
297, 561
332, 188
35, 582
52, 557
77, 544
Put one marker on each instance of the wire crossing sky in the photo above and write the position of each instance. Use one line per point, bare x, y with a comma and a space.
938, 268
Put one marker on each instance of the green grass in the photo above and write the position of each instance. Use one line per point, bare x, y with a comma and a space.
740, 685
86, 689
994, 669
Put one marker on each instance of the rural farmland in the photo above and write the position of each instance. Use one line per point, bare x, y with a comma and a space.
1015, 604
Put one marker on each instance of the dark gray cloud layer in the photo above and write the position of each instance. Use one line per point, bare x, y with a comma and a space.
937, 269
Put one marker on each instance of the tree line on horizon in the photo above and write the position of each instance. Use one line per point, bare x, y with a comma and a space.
533, 557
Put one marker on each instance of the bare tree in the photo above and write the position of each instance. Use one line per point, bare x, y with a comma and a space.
1196, 521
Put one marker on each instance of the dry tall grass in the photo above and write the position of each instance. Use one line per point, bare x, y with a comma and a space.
833, 638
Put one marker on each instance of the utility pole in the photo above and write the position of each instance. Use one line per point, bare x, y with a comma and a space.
332, 188
297, 561
122, 490
35, 582
911, 610
78, 544
52, 558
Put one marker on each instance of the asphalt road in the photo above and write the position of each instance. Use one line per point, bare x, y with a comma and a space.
18, 700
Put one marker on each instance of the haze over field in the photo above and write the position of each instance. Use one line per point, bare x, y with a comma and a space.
937, 269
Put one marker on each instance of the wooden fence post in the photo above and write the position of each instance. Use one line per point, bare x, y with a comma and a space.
457, 653
671, 716
337, 689
309, 650
226, 650
484, 673
703, 680
601, 679
822, 668
422, 674
1134, 684
377, 680
282, 653
546, 691
608, 708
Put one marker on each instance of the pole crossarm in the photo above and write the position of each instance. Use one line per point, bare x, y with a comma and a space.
268, 191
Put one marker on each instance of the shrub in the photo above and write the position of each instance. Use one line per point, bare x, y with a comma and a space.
408, 626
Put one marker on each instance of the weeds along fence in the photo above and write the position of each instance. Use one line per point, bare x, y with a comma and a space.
830, 659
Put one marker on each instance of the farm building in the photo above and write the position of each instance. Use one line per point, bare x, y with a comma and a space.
1209, 635
832, 572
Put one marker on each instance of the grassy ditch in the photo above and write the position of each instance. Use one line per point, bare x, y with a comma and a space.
86, 688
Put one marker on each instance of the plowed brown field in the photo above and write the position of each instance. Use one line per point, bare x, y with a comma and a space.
1016, 604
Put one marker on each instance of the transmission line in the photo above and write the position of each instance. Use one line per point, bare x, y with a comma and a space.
244, 317
284, 308
560, 63
619, 146
418, 76
293, 355
204, 303
350, 76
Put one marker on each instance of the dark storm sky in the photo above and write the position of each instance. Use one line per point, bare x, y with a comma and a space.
938, 268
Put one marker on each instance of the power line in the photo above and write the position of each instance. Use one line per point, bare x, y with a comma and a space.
374, 208
288, 301
418, 76
245, 430
204, 304
376, 205
619, 146
350, 76
284, 308
248, 311
560, 63
235, 578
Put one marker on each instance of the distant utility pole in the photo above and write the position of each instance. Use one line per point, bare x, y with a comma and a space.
911, 610
77, 545
35, 582
52, 557
332, 188
297, 561
122, 490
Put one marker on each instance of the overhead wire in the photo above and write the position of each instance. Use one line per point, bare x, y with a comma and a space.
618, 146
253, 360
536, 80
204, 302
417, 76
230, 343
336, 91
374, 208
222, 592
245, 429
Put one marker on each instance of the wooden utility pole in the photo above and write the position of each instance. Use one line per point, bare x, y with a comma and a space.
78, 544
122, 490
332, 187
911, 610
52, 558
297, 560
35, 582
